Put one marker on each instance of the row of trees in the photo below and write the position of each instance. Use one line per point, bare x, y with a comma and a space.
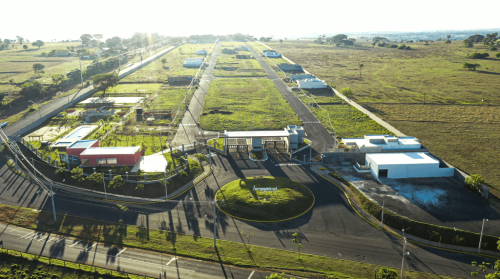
337, 40
491, 40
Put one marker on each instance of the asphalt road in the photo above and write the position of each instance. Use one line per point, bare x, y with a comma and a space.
313, 129
188, 130
124, 259
59, 102
330, 229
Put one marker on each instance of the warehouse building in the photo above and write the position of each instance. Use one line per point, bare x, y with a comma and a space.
406, 165
312, 83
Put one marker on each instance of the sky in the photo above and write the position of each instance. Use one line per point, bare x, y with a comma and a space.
58, 19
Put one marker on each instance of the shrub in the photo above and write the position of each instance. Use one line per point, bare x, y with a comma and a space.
407, 48
471, 66
497, 55
403, 46
474, 181
347, 91
183, 173
477, 55
387, 273
31, 88
117, 182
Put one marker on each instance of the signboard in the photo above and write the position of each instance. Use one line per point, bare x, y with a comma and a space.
265, 189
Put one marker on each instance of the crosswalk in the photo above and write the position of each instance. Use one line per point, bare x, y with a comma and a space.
311, 122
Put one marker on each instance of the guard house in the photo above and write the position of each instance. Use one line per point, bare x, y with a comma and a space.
291, 67
193, 62
289, 138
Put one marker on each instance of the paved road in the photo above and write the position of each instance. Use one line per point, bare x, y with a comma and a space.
312, 127
58, 102
331, 229
188, 130
116, 257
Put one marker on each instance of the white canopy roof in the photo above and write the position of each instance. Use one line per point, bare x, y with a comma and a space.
255, 134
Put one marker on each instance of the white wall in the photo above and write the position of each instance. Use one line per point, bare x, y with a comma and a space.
417, 170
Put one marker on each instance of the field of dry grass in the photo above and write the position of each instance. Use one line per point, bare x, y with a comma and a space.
454, 124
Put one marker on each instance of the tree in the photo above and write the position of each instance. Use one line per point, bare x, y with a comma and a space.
297, 240
31, 88
477, 55
474, 181
116, 182
85, 39
98, 36
387, 273
471, 66
340, 38
7, 43
20, 40
58, 79
347, 91
77, 173
38, 67
497, 55
95, 178
105, 81
447, 42
124, 169
163, 61
25, 47
468, 43
38, 43
361, 65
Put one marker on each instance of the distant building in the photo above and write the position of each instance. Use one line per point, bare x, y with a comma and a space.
312, 83
229, 51
241, 48
291, 67
201, 52
173, 80
64, 53
272, 54
193, 62
243, 56
301, 76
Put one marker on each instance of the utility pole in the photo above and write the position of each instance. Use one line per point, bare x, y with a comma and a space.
33, 163
165, 177
310, 155
403, 261
53, 205
81, 73
382, 219
215, 224
104, 183
252, 122
481, 238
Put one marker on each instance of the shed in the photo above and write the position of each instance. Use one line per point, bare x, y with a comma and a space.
291, 67
406, 165
312, 83
111, 156
79, 146
272, 54
201, 52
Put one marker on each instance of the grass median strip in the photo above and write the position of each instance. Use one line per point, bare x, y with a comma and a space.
239, 254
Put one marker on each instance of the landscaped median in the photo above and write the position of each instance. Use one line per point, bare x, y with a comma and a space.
430, 232
238, 254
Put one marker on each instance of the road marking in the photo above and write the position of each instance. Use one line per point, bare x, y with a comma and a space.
52, 239
60, 239
75, 243
28, 235
251, 274
173, 259
121, 252
43, 238
284, 165
305, 134
88, 248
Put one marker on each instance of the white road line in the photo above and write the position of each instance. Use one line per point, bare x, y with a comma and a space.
121, 252
60, 239
43, 238
90, 247
251, 274
27, 235
52, 239
78, 241
173, 259
305, 134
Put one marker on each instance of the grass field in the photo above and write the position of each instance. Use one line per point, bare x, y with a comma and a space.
132, 88
230, 104
242, 201
244, 67
156, 71
393, 82
157, 238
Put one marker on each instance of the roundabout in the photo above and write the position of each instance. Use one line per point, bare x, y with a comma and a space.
265, 199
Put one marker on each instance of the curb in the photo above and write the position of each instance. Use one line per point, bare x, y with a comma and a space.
258, 221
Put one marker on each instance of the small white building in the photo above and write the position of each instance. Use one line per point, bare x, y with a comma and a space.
201, 52
405, 165
312, 83
377, 143
193, 62
272, 54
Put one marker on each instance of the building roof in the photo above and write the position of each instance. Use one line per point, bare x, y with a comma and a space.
256, 134
82, 144
119, 150
412, 158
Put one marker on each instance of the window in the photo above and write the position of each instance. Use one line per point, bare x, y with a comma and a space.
111, 161
101, 161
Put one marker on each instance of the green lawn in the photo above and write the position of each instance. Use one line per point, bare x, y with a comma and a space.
230, 104
132, 88
169, 97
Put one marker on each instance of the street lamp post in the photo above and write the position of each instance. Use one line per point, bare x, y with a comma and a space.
104, 183
53, 205
403, 261
81, 73
382, 219
481, 238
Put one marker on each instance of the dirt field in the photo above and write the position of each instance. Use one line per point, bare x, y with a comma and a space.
455, 123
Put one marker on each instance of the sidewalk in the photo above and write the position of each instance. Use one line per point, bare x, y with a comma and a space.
377, 223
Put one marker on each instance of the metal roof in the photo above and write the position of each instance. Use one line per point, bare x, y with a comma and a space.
415, 158
111, 150
82, 144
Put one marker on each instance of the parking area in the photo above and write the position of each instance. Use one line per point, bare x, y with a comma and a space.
442, 201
